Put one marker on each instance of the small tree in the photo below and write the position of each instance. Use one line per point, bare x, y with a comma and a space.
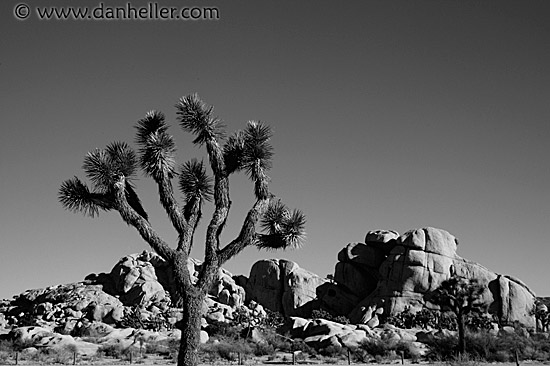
462, 296
112, 171
542, 317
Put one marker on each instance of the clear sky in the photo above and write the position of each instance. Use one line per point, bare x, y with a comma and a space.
386, 115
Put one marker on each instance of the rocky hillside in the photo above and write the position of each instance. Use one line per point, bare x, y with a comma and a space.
382, 276
132, 301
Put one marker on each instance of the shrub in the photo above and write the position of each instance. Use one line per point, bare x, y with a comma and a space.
435, 319
332, 351
161, 348
224, 331
441, 348
463, 360
61, 355
225, 350
373, 347
6, 351
4, 357
407, 350
7, 346
272, 320
404, 319
482, 345
262, 349
117, 351
134, 319
479, 321
280, 342
424, 319
324, 314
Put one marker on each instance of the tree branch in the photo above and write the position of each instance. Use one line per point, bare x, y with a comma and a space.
192, 214
130, 216
247, 234
166, 193
219, 217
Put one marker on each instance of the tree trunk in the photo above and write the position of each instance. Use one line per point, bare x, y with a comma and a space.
461, 335
190, 330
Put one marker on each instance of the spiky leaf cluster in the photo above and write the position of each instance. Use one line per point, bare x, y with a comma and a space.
194, 182
104, 166
196, 117
257, 149
157, 147
75, 196
233, 152
250, 150
459, 294
283, 228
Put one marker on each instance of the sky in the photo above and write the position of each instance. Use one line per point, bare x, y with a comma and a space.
386, 115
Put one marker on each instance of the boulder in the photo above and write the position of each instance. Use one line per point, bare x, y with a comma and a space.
357, 273
204, 337
29, 352
322, 341
135, 278
383, 240
264, 284
520, 309
358, 280
325, 327
28, 335
381, 236
363, 254
84, 348
322, 333
281, 285
430, 240
55, 341
299, 287
353, 339
96, 330
339, 299
357, 268
40, 338
295, 326
391, 333
227, 291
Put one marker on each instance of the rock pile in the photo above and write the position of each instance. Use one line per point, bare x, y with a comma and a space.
383, 276
322, 333
389, 273
65, 307
135, 294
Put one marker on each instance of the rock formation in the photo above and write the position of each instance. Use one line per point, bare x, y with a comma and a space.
383, 276
392, 272
322, 333
282, 286
136, 293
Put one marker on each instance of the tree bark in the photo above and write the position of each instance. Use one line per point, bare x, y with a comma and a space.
190, 330
192, 297
461, 334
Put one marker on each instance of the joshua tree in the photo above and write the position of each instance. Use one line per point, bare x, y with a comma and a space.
462, 296
112, 170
